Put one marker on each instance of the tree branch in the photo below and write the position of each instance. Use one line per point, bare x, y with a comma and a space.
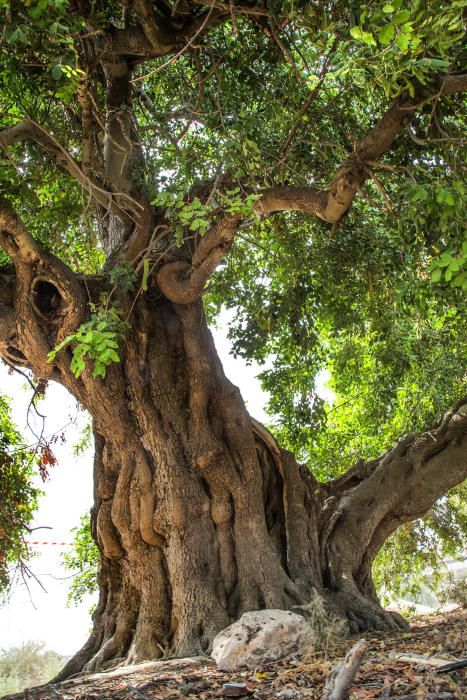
119, 203
7, 314
399, 486
454, 83
40, 303
158, 31
331, 205
238, 9
182, 282
342, 675
155, 37
15, 239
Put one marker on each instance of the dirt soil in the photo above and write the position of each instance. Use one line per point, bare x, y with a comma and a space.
299, 676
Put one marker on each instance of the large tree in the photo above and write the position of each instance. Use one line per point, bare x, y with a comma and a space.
314, 147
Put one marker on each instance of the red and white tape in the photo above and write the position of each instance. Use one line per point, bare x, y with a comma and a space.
59, 544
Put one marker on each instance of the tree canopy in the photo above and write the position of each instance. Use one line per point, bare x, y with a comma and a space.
300, 163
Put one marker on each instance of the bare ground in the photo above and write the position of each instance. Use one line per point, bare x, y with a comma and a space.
381, 675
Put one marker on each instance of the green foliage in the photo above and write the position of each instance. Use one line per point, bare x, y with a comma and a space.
400, 569
234, 203
193, 215
98, 340
27, 666
404, 43
437, 208
102, 337
85, 440
123, 275
196, 217
83, 562
18, 497
45, 25
452, 266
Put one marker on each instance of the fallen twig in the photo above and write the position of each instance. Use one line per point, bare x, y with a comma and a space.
454, 666
340, 679
420, 659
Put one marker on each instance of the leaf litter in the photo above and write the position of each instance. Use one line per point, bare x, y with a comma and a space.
396, 664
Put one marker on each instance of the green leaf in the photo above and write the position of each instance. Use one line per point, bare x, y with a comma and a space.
401, 17
449, 199
77, 365
108, 356
403, 41
388, 9
420, 194
386, 34
458, 280
366, 37
436, 275
99, 370
440, 197
433, 63
57, 71
17, 37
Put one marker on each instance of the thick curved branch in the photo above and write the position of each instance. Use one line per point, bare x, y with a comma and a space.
7, 316
15, 239
401, 485
182, 282
331, 205
231, 7
159, 33
41, 299
155, 35
454, 83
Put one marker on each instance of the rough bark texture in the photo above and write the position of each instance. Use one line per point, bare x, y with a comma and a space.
198, 513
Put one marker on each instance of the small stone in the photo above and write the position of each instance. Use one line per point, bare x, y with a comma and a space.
234, 690
258, 638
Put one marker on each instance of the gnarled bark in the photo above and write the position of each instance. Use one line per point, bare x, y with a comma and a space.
199, 515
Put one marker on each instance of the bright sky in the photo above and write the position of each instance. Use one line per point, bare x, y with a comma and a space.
42, 615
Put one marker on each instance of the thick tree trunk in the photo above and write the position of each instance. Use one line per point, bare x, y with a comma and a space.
199, 515
189, 499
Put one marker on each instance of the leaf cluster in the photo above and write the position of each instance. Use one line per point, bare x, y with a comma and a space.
97, 340
83, 562
18, 497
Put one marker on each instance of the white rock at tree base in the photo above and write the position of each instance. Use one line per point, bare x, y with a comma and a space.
258, 637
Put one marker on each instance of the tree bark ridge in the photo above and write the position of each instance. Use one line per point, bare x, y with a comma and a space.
199, 515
